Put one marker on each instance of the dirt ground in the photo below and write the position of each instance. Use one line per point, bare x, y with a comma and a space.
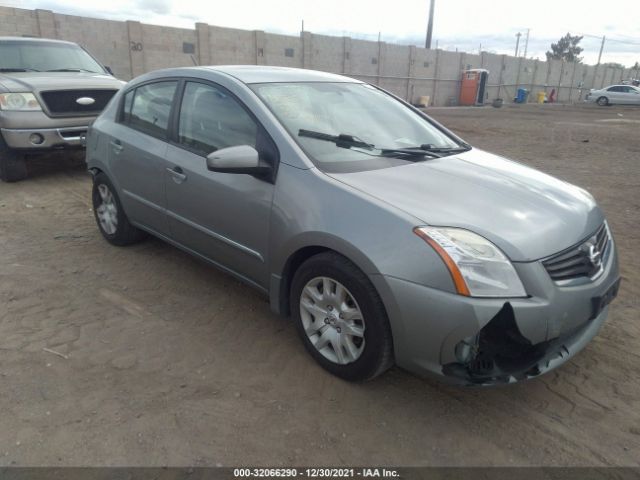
166, 361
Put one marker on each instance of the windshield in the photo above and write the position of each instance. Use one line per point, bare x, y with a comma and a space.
45, 57
375, 122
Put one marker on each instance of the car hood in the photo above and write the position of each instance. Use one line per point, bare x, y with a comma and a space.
528, 214
39, 81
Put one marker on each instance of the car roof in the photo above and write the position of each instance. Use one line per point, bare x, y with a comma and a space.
35, 40
269, 74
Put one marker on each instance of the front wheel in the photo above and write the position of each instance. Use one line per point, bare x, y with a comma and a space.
603, 101
340, 318
110, 217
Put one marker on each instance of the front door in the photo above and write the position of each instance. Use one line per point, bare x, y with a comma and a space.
630, 95
222, 216
615, 95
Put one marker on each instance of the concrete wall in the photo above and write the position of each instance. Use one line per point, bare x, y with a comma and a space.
131, 48
16, 21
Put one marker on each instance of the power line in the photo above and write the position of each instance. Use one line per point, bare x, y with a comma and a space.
626, 42
609, 39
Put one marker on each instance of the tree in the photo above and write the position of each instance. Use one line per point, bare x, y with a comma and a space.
566, 49
613, 65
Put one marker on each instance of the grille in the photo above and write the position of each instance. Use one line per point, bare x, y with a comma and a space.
582, 260
63, 102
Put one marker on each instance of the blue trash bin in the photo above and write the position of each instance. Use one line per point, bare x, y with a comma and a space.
521, 95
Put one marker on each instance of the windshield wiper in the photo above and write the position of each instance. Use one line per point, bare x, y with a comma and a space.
349, 141
410, 151
432, 148
342, 140
17, 69
71, 70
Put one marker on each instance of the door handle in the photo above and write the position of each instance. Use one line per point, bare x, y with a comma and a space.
177, 173
116, 146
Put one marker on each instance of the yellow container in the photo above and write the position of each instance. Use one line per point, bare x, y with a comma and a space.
541, 97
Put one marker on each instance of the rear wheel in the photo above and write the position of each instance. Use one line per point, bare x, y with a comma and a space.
13, 166
110, 217
603, 101
340, 318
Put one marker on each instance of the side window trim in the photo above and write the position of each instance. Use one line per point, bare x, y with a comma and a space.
174, 118
120, 117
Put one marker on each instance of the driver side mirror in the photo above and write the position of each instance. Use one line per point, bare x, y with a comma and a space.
239, 159
108, 69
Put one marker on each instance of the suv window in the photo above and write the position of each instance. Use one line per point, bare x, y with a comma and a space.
147, 108
211, 119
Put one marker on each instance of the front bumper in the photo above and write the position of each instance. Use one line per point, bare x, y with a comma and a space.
17, 129
486, 341
44, 138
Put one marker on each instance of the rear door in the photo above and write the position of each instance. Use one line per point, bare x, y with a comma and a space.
137, 151
221, 216
615, 95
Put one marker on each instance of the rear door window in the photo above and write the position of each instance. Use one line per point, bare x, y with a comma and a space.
148, 107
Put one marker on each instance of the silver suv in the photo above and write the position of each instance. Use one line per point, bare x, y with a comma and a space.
50, 91
385, 236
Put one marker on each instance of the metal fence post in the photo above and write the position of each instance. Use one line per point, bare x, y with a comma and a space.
434, 91
410, 71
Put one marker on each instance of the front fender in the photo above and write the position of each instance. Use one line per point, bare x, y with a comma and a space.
311, 209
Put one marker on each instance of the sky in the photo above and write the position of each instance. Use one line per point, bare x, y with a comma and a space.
466, 25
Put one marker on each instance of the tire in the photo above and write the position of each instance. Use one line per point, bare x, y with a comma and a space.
13, 166
354, 336
109, 214
603, 101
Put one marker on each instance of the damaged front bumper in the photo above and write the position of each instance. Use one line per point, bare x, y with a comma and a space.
501, 354
489, 341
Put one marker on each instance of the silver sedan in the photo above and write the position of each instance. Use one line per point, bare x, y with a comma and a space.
614, 95
386, 238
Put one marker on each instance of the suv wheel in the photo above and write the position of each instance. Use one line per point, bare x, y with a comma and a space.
340, 318
110, 217
13, 166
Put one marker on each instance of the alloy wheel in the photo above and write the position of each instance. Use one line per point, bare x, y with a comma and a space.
107, 211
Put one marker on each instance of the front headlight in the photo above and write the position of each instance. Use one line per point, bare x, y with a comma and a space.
19, 102
478, 268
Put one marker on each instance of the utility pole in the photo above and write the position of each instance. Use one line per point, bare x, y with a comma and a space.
427, 43
518, 35
601, 48
526, 43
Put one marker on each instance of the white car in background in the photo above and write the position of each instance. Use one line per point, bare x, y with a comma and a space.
615, 95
